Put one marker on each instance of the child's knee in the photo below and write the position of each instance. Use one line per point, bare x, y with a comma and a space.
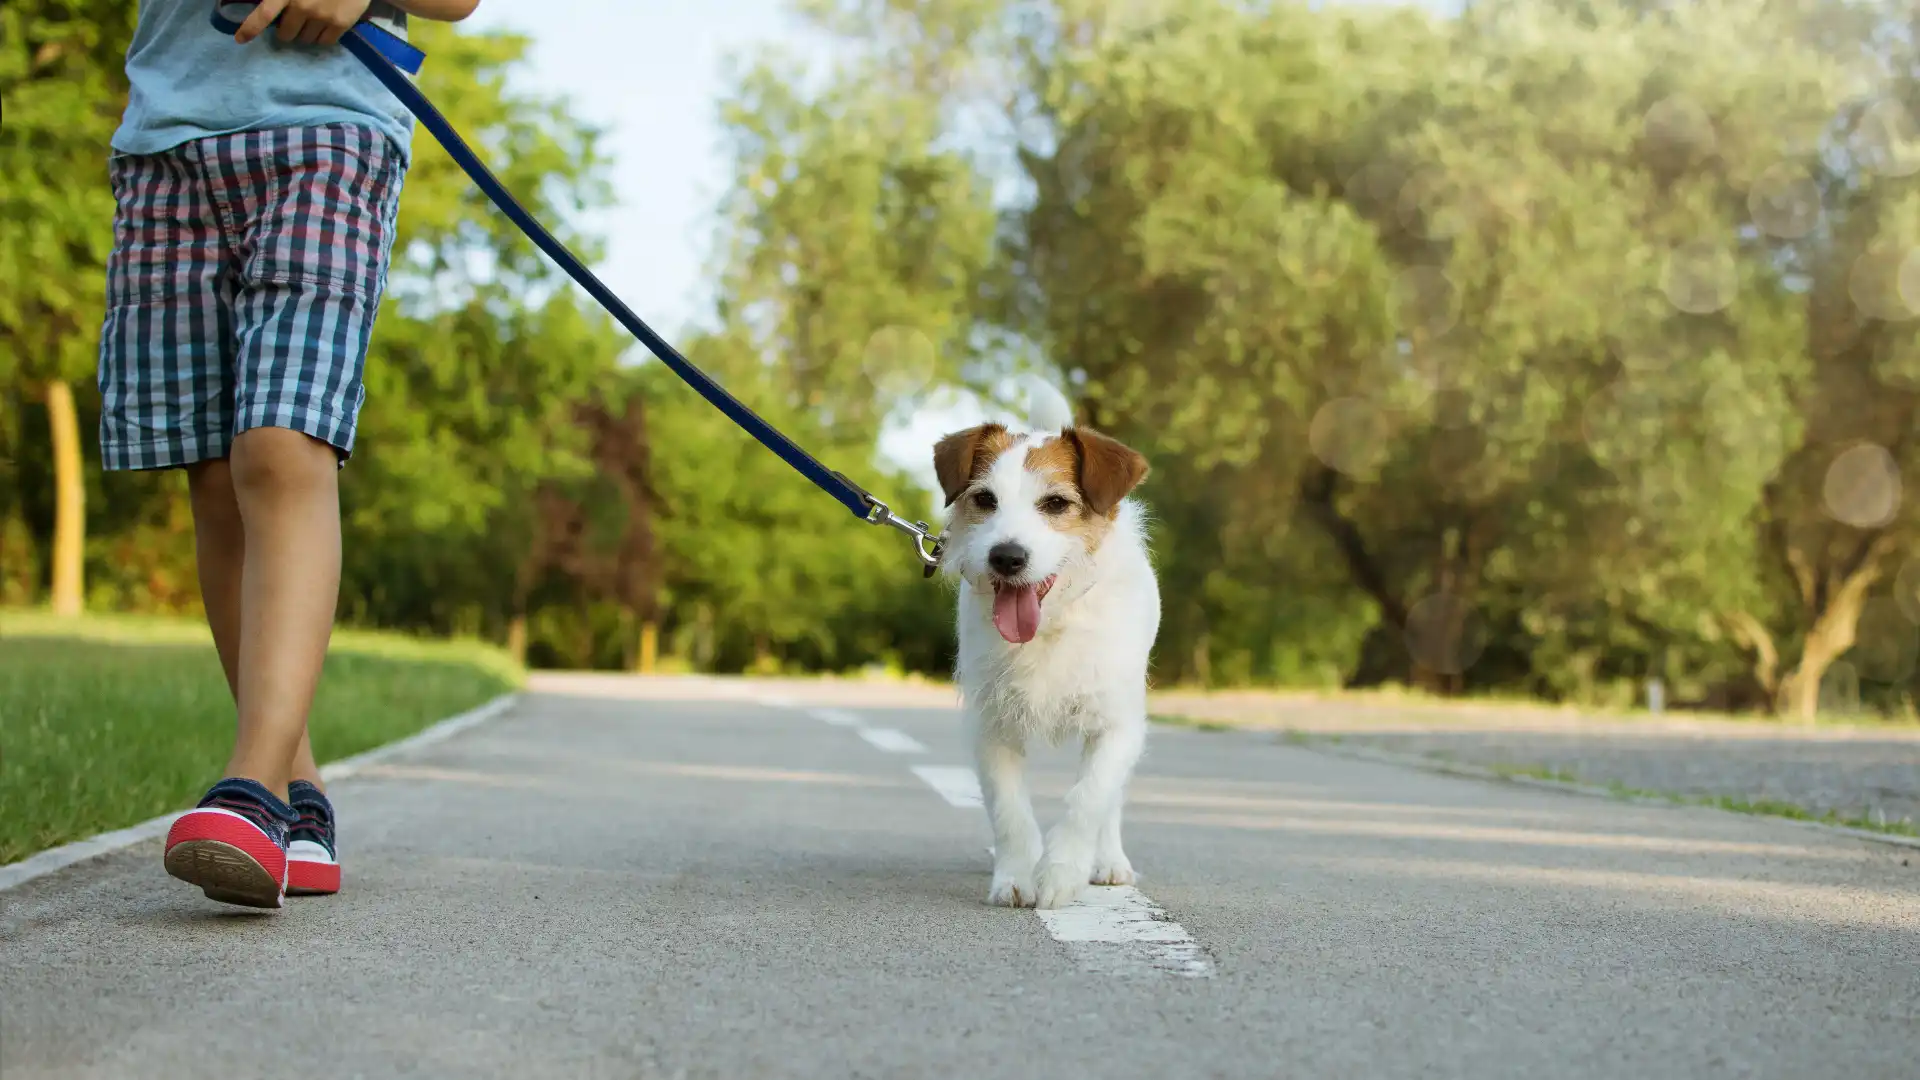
279, 460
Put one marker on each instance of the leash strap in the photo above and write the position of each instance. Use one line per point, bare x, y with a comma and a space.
392, 60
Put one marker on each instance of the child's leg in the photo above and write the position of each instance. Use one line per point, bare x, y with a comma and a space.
220, 548
220, 552
287, 486
305, 769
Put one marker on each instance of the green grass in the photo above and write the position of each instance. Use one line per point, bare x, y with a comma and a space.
108, 721
1189, 722
1763, 807
1418, 706
1560, 776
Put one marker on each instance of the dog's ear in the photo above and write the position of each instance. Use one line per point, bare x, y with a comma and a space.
1108, 470
954, 458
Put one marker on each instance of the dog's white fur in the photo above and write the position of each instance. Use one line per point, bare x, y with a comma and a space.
1084, 673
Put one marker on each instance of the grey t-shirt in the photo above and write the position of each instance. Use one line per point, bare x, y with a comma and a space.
190, 81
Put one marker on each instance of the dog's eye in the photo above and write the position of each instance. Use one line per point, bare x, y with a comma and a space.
1055, 504
985, 500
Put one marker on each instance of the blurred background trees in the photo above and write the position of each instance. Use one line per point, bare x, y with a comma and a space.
1544, 349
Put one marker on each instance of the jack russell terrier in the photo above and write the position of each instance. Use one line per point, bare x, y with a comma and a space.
1058, 611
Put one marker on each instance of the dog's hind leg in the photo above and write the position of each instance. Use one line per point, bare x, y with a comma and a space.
1093, 815
1002, 764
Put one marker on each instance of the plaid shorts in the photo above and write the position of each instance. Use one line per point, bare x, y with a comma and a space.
245, 274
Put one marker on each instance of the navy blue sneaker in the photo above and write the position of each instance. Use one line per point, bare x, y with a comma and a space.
233, 845
313, 863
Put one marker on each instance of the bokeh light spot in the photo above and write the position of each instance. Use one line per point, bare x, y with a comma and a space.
1874, 283
1908, 281
1350, 435
1432, 206
899, 360
1862, 486
1678, 132
1784, 202
1445, 634
1886, 140
1701, 277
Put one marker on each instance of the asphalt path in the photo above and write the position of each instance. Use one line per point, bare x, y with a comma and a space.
636, 879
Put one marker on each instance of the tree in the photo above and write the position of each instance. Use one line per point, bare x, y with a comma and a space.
1367, 249
1842, 222
62, 89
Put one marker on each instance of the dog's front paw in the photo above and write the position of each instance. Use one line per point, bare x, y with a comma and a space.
1112, 870
1060, 882
1012, 889
1012, 879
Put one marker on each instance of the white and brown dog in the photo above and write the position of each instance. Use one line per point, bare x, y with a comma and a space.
1058, 610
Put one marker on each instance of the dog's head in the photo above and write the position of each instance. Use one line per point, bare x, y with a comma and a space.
1025, 513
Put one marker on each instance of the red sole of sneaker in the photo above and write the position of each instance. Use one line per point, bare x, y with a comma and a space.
224, 872
308, 878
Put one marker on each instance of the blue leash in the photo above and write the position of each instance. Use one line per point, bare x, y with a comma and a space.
391, 60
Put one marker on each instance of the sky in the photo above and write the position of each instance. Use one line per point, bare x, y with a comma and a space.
651, 74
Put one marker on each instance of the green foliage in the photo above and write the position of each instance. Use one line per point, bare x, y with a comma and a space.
63, 89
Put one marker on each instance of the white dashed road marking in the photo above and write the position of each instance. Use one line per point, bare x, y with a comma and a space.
1115, 929
892, 741
836, 717
960, 787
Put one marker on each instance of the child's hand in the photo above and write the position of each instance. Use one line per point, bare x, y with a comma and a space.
312, 22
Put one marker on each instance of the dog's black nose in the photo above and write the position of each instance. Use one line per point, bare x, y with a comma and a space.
1007, 560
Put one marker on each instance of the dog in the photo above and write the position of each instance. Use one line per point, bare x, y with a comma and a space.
1058, 609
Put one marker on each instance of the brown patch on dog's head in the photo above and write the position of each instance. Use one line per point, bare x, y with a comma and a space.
960, 458
1087, 475
1108, 470
1057, 459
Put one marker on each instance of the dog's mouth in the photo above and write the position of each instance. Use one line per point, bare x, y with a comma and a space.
1016, 609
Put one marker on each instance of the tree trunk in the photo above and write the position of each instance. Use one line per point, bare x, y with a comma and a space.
1317, 491
1203, 660
517, 638
70, 501
1752, 633
649, 646
1830, 636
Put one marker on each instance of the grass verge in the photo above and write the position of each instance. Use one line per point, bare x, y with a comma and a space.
107, 721
1509, 771
1764, 807
1171, 720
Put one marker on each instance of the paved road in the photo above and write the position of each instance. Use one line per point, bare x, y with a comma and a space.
599, 886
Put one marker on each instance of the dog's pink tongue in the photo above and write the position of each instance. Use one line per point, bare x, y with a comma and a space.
1016, 612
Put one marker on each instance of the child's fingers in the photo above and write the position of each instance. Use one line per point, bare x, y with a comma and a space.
291, 24
332, 35
261, 18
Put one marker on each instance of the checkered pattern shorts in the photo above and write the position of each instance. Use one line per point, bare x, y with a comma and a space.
241, 291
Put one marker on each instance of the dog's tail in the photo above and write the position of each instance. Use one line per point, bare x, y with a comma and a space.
1047, 408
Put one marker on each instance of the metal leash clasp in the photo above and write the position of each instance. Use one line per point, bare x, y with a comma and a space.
926, 544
